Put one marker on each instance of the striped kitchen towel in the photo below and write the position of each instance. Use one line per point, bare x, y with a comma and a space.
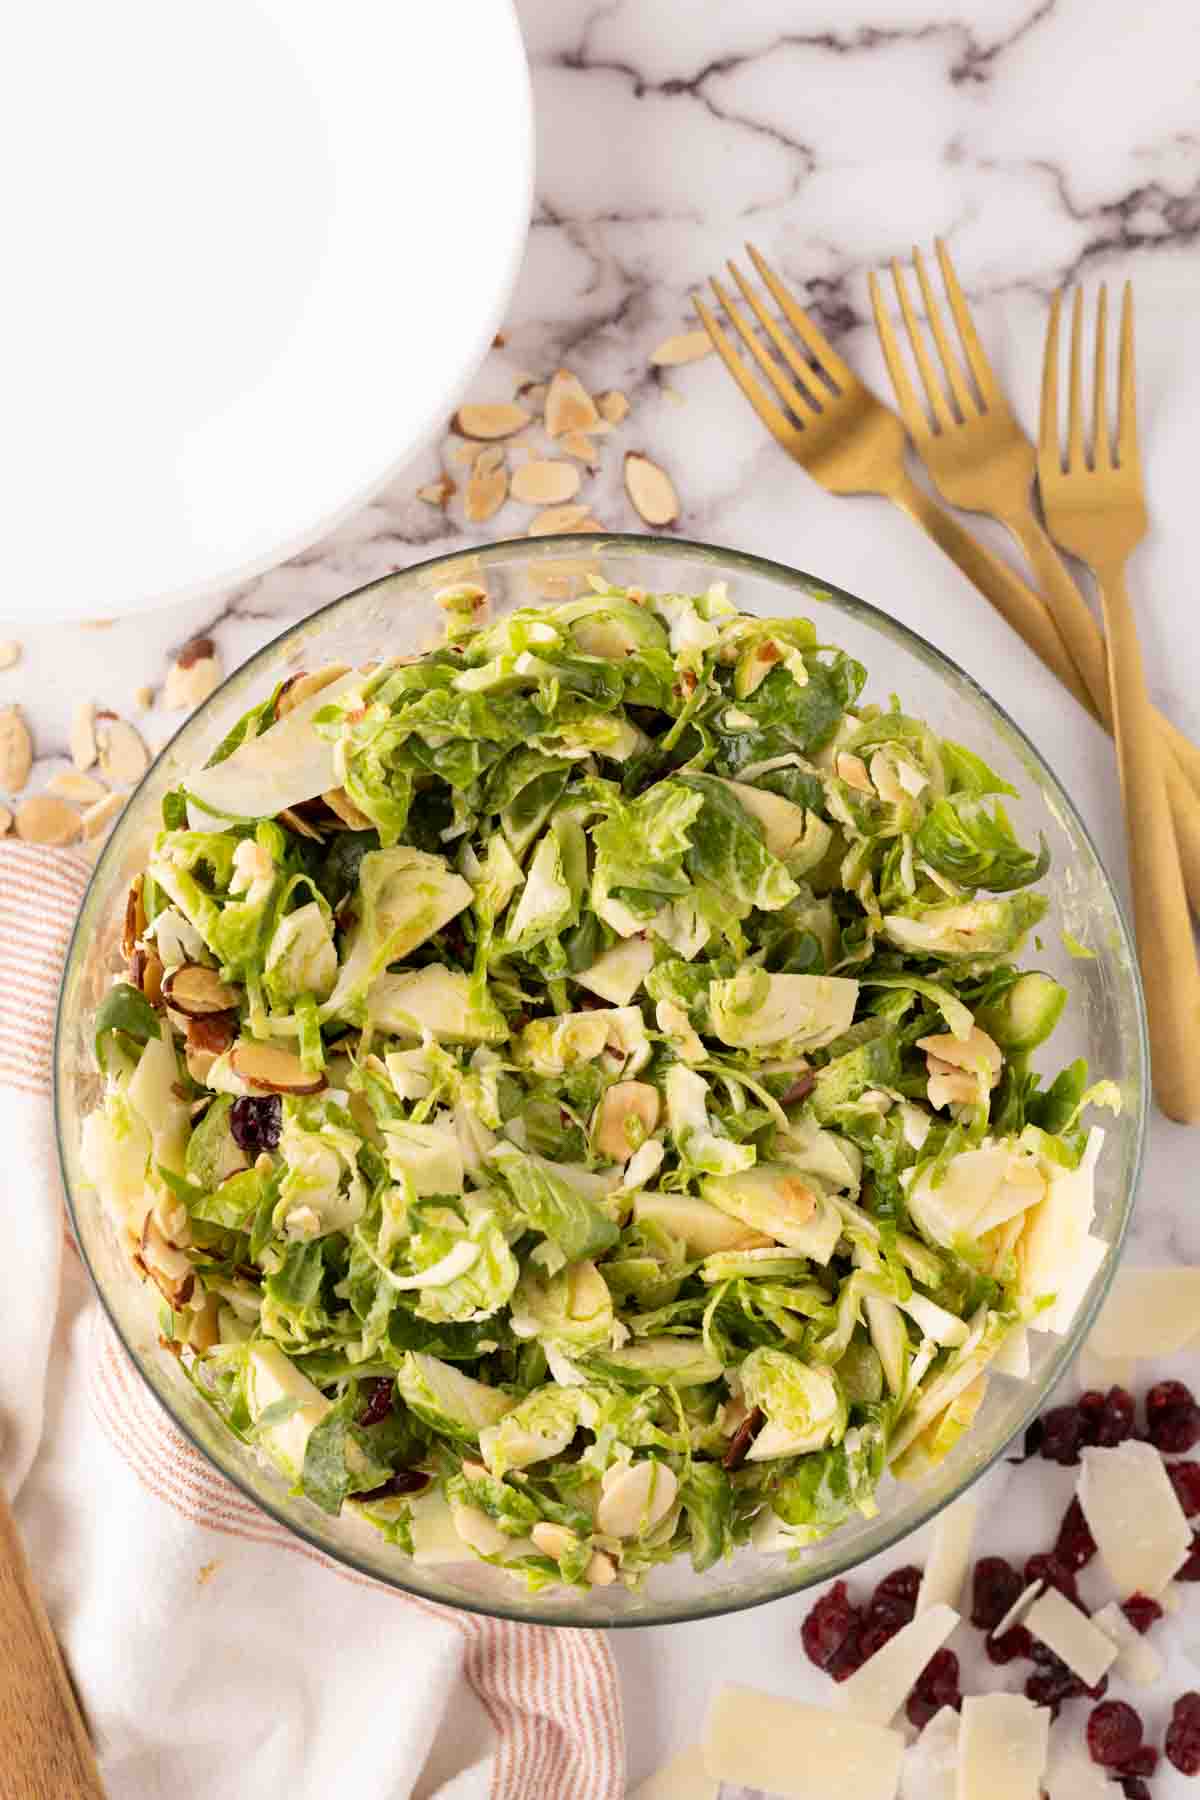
215, 1653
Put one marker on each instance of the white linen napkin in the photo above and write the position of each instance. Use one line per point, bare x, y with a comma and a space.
215, 1654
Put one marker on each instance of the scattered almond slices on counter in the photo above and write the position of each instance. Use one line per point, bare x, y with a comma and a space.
84, 749
613, 406
544, 482
97, 818
684, 347
650, 489
144, 698
438, 493
193, 676
123, 755
10, 653
580, 446
45, 819
554, 520
16, 750
487, 422
81, 790
487, 485
569, 406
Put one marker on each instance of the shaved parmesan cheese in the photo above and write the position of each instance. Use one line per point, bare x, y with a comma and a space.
1002, 1743
1071, 1635
930, 1770
1073, 1775
800, 1752
1134, 1515
949, 1555
1137, 1659
683, 1778
1056, 1255
878, 1689
1020, 1606
1170, 1599
1012, 1358
1103, 1372
1148, 1312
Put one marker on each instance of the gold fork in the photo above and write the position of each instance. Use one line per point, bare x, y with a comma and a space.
1097, 512
851, 443
980, 459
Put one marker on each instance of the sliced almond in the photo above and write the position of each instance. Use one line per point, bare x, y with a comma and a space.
124, 757
195, 991
854, 772
580, 446
10, 653
625, 1118
457, 597
686, 347
16, 750
300, 826
651, 489
303, 685
144, 699
556, 519
338, 801
211, 1032
193, 676
601, 1570
100, 814
135, 917
545, 482
487, 486
613, 405
465, 453
569, 406
437, 493
45, 819
69, 784
532, 394
83, 736
146, 973
635, 1497
553, 1540
6, 820
273, 1070
168, 1268
488, 422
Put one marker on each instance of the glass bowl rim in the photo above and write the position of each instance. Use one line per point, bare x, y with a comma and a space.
592, 543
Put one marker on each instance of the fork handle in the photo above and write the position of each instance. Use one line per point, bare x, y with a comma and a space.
1083, 637
1166, 947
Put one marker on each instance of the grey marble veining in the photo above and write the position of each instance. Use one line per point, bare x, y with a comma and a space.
1047, 142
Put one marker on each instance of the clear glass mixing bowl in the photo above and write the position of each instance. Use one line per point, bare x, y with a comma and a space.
1104, 1022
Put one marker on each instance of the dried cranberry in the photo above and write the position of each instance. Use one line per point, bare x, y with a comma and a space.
1134, 1788
994, 1589
1191, 1568
1016, 1642
1091, 1411
830, 1630
1144, 1761
1049, 1569
1183, 1734
1115, 1423
1062, 1435
896, 1595
1046, 1687
1172, 1418
875, 1636
256, 1122
379, 1401
1141, 1611
936, 1686
1185, 1479
1075, 1545
1114, 1735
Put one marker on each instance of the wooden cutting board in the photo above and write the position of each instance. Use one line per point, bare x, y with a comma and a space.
47, 1754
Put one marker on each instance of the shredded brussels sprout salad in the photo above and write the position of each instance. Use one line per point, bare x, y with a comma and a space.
573, 1089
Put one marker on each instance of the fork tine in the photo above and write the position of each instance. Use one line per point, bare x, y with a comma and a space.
788, 392
916, 420
814, 388
1076, 456
1101, 455
1048, 447
780, 427
1127, 438
814, 341
980, 367
950, 362
937, 400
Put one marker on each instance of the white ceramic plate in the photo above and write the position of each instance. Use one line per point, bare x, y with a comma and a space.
262, 246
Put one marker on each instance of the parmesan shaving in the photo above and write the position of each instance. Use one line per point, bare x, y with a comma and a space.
930, 1770
1148, 1312
1134, 1515
798, 1751
1071, 1635
949, 1556
1138, 1662
1002, 1744
1020, 1606
878, 1689
683, 1778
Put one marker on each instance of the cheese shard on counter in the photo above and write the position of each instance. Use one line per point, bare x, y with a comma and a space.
1073, 1775
1063, 1628
1002, 1745
878, 1689
1138, 1662
949, 1556
683, 1778
1148, 1312
930, 1770
1016, 1612
1134, 1515
797, 1751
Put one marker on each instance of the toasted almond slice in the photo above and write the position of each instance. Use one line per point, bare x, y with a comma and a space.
338, 801
487, 486
651, 489
146, 973
613, 405
306, 683
100, 814
16, 750
454, 599
6, 820
193, 675
531, 394
273, 1070
168, 1268
465, 453
437, 493
83, 736
45, 819
69, 784
212, 1032
556, 519
686, 347
300, 826
487, 422
580, 446
195, 991
144, 698
124, 757
569, 406
545, 482
10, 653
135, 917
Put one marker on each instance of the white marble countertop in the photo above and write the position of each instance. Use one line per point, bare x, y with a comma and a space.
1046, 142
